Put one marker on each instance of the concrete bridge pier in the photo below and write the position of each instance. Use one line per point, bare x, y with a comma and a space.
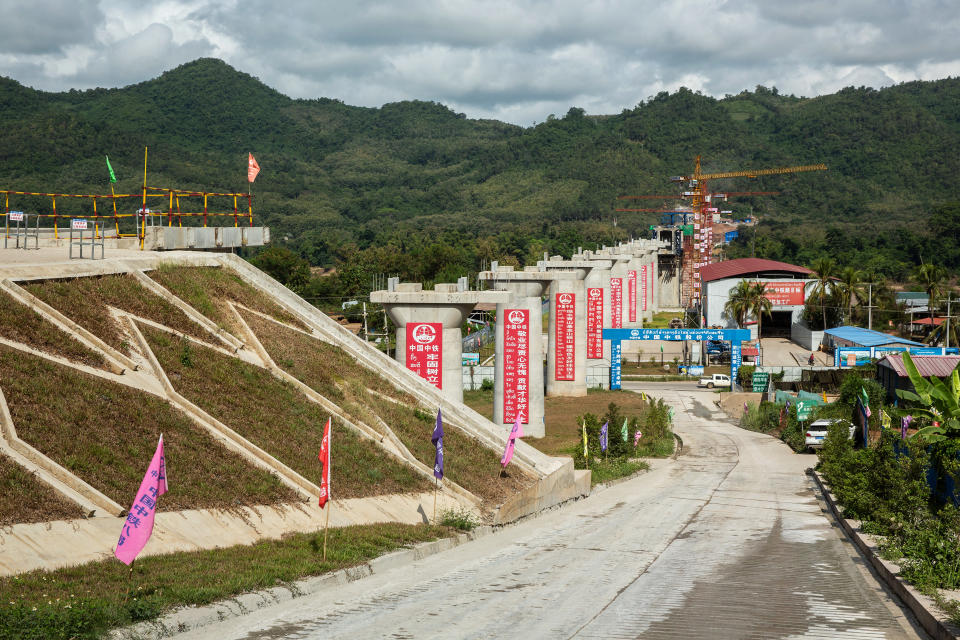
429, 341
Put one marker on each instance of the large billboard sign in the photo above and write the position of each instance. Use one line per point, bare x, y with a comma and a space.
564, 336
516, 365
783, 294
595, 322
632, 295
425, 351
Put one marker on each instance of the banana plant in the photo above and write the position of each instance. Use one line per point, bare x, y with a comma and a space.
937, 401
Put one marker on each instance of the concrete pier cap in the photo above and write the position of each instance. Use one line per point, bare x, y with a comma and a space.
408, 305
525, 288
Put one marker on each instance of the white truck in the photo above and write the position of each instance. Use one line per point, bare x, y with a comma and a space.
715, 380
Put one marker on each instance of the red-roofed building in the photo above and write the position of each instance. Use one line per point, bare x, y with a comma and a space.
892, 375
786, 286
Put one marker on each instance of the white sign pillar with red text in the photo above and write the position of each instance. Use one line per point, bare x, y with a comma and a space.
424, 351
567, 339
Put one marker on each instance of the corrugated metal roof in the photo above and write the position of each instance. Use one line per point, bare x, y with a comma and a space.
744, 266
936, 321
868, 337
940, 366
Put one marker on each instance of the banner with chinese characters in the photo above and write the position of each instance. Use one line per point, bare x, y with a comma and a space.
643, 285
516, 365
425, 351
595, 322
564, 336
616, 303
632, 295
785, 293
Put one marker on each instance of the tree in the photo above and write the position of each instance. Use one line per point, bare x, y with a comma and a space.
851, 286
760, 304
738, 302
938, 402
825, 269
285, 266
932, 279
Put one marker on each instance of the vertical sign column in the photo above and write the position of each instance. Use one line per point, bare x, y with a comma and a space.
615, 353
632, 295
425, 351
516, 365
643, 286
736, 359
564, 332
616, 303
595, 322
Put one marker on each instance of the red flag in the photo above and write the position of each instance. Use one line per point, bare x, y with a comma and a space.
252, 169
324, 457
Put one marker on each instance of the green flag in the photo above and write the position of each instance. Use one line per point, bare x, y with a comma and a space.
661, 348
623, 430
113, 178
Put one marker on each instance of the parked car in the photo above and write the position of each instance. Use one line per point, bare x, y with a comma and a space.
816, 433
716, 380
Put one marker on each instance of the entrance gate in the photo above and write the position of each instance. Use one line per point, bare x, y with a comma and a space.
616, 336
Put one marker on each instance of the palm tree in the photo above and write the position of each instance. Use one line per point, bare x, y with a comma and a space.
738, 302
825, 269
932, 279
851, 287
760, 305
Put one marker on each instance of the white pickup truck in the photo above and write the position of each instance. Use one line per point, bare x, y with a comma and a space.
716, 380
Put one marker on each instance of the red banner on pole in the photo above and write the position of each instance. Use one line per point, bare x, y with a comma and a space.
425, 351
516, 365
564, 336
595, 322
632, 295
616, 303
643, 285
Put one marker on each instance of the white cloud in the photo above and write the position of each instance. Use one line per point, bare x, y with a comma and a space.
513, 60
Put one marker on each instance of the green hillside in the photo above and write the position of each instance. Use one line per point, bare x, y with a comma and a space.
414, 189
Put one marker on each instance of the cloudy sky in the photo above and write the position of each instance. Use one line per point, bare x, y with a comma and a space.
516, 61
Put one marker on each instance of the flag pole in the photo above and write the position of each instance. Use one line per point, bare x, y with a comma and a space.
436, 485
326, 526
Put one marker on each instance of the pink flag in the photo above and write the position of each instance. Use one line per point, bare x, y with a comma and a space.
636, 438
516, 432
252, 168
139, 525
324, 457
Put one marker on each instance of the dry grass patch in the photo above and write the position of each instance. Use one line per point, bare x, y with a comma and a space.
560, 415
277, 417
85, 301
207, 289
20, 323
106, 434
332, 372
24, 498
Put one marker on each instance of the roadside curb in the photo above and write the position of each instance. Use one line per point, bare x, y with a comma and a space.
196, 617
922, 607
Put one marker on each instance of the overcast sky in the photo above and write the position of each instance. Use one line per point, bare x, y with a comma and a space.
515, 61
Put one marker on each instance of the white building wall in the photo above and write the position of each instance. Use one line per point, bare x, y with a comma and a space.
718, 292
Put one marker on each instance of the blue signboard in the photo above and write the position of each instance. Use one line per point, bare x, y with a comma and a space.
842, 355
616, 336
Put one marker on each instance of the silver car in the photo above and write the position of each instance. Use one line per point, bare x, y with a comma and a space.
816, 432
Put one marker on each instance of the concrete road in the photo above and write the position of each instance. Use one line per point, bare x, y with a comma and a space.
728, 541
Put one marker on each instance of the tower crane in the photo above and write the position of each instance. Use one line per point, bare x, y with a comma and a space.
696, 191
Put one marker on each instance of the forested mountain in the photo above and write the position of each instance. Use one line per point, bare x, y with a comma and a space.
415, 189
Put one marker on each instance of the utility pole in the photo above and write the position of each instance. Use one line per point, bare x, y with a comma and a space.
869, 305
949, 296
366, 334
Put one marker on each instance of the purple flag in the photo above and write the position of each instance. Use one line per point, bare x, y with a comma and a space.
904, 425
437, 441
603, 436
516, 432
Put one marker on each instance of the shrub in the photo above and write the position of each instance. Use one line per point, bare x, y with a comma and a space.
459, 518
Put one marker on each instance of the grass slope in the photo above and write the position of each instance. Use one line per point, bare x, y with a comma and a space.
85, 301
23, 498
84, 601
22, 324
275, 416
207, 288
333, 373
107, 433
